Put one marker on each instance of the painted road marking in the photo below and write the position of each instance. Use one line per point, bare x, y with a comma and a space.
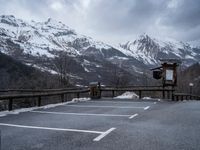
146, 107
104, 106
81, 114
133, 116
155, 102
118, 102
98, 138
102, 135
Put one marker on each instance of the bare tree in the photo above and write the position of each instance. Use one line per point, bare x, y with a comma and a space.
62, 66
118, 77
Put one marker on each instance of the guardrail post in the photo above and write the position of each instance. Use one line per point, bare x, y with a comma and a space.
181, 97
163, 93
78, 95
113, 93
168, 95
100, 93
66, 97
39, 101
62, 98
172, 96
140, 94
10, 104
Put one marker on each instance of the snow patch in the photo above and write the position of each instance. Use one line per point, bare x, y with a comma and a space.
146, 98
80, 99
127, 95
18, 111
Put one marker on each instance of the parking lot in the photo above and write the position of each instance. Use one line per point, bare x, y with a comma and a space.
105, 124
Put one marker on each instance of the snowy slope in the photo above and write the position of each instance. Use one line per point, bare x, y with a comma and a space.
43, 38
39, 43
149, 50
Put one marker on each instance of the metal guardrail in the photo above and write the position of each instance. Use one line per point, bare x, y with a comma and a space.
40, 90
11, 97
132, 86
140, 90
62, 92
186, 96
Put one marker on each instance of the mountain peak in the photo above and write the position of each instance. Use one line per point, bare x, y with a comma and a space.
149, 50
144, 35
8, 19
7, 16
54, 23
11, 20
50, 20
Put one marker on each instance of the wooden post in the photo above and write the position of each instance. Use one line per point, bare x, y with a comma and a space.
78, 95
140, 94
35, 102
113, 93
39, 101
66, 97
100, 93
163, 93
177, 98
181, 97
168, 95
10, 104
62, 98
172, 93
173, 97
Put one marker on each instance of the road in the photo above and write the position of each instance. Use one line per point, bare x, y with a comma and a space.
106, 124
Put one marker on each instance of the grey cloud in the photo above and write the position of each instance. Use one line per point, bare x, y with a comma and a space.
116, 20
185, 15
124, 15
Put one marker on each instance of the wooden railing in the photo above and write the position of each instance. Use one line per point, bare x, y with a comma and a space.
184, 96
39, 90
12, 97
140, 89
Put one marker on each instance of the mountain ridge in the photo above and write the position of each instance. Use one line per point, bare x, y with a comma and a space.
149, 50
39, 43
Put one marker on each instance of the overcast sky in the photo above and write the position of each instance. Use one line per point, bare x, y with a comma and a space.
115, 21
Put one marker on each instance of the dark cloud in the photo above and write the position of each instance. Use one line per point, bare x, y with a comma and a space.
185, 14
115, 20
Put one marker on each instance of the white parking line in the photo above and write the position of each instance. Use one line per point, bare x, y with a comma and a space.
81, 114
104, 106
117, 102
146, 107
98, 138
133, 116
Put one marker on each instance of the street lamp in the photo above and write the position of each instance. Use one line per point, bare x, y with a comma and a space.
191, 85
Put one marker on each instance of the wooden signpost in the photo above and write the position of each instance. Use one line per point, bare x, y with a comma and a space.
167, 72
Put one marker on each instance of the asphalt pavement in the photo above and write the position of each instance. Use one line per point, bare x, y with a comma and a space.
105, 124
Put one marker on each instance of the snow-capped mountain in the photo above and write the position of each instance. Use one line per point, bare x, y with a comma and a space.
42, 38
150, 50
39, 43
